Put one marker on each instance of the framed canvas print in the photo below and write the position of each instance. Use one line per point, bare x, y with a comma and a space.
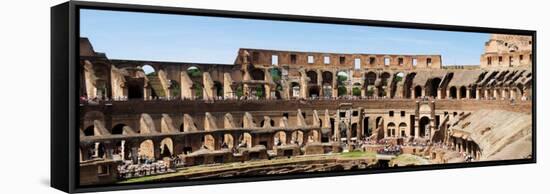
146, 96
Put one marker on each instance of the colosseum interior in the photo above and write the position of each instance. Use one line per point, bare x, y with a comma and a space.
277, 112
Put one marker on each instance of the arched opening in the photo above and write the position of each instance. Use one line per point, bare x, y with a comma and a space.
390, 130
452, 92
383, 84
194, 72
209, 142
314, 91
403, 129
473, 92
118, 129
417, 91
259, 91
378, 122
146, 150
312, 75
228, 141
197, 89
245, 140
297, 137
257, 74
276, 74
279, 138
367, 132
341, 82
370, 80
462, 92
398, 77
432, 87
148, 70
89, 131
166, 148
218, 87
356, 90
408, 85
327, 77
424, 126
135, 89
354, 130
295, 87
313, 136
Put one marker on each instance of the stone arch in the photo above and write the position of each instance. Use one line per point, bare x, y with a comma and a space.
462, 93
194, 72
257, 74
417, 91
135, 89
409, 85
370, 80
91, 116
245, 140
209, 142
228, 140
297, 137
432, 86
391, 130
398, 77
452, 92
313, 136
312, 75
89, 131
403, 129
295, 89
147, 149
342, 77
384, 77
314, 91
166, 147
118, 129
327, 77
356, 90
218, 87
424, 126
366, 130
279, 138
473, 92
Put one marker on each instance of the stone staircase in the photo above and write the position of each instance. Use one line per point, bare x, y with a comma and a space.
156, 86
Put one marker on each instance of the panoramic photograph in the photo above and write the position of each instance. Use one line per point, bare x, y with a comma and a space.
168, 97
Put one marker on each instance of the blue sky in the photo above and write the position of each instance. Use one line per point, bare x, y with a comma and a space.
164, 37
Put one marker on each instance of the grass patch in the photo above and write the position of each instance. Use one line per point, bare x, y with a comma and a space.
358, 154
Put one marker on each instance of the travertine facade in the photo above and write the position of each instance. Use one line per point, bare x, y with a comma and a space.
271, 104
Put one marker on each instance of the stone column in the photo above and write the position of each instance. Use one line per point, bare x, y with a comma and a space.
478, 93
439, 96
468, 95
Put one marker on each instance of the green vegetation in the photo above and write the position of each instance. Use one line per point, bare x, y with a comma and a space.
356, 91
239, 91
198, 90
275, 74
259, 92
370, 91
194, 72
342, 90
358, 154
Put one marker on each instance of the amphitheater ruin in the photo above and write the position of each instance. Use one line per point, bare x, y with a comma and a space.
275, 105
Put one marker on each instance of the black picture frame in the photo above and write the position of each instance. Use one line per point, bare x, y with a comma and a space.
65, 82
